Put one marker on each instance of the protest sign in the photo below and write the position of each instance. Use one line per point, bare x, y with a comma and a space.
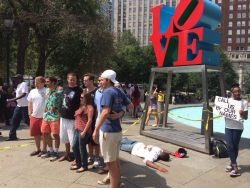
227, 107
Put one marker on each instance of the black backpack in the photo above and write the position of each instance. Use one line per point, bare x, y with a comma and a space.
219, 148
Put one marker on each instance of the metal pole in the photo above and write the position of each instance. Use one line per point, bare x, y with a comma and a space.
167, 99
8, 58
206, 116
151, 83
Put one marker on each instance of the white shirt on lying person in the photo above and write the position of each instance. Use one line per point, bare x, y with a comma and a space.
149, 153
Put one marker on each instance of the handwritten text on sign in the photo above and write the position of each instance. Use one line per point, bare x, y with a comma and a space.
228, 108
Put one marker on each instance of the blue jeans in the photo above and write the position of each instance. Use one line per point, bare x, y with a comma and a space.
233, 137
80, 150
127, 145
19, 114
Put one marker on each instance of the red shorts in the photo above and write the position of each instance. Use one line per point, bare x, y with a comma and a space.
51, 127
35, 126
136, 101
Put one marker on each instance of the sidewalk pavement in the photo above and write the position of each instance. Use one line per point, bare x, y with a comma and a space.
18, 169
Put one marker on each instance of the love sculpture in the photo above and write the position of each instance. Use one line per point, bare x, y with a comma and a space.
187, 35
184, 42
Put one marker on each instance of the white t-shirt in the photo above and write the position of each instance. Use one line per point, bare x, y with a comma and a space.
37, 97
22, 88
149, 153
232, 124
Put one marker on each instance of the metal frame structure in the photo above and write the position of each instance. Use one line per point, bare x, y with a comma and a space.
204, 69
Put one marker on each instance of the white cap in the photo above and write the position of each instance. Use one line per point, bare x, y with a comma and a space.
111, 75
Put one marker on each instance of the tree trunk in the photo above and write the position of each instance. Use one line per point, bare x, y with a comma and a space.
23, 34
42, 56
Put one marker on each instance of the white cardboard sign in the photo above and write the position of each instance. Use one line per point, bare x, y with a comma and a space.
227, 107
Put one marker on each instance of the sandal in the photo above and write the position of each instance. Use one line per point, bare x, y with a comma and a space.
74, 163
80, 170
74, 167
63, 158
102, 171
35, 153
103, 182
234, 173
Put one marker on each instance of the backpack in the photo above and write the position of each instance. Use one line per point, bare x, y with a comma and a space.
219, 148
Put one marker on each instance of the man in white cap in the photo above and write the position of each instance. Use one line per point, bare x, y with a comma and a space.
110, 135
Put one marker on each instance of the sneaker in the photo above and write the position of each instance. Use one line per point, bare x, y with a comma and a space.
96, 163
46, 155
234, 173
229, 168
54, 156
12, 139
90, 160
41, 153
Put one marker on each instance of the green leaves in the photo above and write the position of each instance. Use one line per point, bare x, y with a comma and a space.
132, 62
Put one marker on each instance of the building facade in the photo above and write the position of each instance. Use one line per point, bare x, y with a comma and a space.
135, 16
235, 30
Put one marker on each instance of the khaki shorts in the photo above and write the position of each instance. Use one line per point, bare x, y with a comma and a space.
110, 145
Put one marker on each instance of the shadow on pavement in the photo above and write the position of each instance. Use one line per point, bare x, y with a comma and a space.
135, 175
245, 169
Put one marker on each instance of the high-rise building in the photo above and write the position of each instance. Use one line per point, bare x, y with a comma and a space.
235, 24
135, 16
106, 9
235, 32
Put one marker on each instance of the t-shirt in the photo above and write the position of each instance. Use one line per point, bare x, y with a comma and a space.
149, 153
37, 98
97, 100
53, 105
81, 119
92, 93
22, 88
114, 99
232, 124
71, 101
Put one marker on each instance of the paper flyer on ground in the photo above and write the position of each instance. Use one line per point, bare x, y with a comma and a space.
227, 107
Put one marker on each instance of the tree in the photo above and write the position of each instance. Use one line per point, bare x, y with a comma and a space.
247, 83
45, 27
132, 62
230, 76
191, 82
22, 28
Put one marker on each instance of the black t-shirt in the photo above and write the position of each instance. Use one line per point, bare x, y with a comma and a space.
71, 101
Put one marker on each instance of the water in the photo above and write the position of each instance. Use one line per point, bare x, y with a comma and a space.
187, 114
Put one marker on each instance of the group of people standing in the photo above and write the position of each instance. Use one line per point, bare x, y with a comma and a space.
74, 116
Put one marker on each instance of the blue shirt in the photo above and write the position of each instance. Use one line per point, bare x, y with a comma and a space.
97, 100
114, 99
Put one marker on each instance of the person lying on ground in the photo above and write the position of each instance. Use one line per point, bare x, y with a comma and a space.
148, 152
